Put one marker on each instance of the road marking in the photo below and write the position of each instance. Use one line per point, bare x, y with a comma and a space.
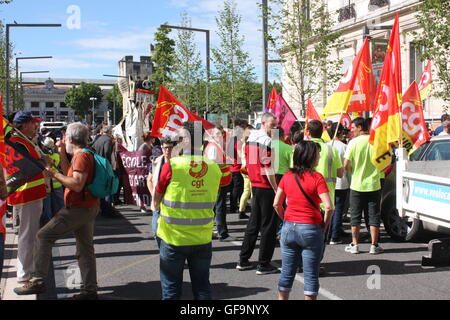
127, 267
327, 294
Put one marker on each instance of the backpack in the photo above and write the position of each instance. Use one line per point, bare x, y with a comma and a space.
105, 182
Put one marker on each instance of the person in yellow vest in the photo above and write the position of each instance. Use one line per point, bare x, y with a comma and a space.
27, 200
214, 151
186, 194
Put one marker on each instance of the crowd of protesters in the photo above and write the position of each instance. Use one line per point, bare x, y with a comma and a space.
299, 186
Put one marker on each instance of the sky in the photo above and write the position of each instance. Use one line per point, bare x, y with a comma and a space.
90, 44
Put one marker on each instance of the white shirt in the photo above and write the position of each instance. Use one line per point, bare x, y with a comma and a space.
344, 182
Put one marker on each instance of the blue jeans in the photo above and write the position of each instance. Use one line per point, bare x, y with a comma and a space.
155, 217
301, 242
336, 222
171, 264
220, 211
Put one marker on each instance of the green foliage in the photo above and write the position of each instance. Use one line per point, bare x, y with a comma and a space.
164, 58
78, 98
119, 103
301, 31
233, 68
433, 18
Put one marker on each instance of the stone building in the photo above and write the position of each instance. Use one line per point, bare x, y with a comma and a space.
350, 18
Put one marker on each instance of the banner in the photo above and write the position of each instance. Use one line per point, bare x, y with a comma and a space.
2, 161
385, 127
415, 132
137, 167
284, 114
346, 120
425, 86
311, 114
272, 99
170, 115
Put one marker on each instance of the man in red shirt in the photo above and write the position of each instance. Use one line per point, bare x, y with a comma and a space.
77, 217
258, 157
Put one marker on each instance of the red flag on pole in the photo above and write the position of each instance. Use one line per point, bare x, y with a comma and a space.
2, 160
170, 115
346, 120
311, 114
425, 85
284, 114
272, 100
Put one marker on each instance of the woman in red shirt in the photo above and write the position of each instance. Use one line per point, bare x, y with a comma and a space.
302, 235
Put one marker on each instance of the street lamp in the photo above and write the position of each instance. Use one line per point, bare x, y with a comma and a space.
8, 53
93, 99
114, 93
208, 60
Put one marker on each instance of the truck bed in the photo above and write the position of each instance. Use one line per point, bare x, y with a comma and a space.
433, 168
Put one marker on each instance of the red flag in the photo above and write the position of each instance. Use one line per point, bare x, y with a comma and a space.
346, 120
284, 113
2, 160
425, 85
170, 115
311, 114
415, 132
272, 100
386, 121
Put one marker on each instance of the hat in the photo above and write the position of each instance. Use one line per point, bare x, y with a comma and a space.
22, 117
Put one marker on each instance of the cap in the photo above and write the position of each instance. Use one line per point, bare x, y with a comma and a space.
22, 117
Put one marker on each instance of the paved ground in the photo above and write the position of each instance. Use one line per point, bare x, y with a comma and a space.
128, 268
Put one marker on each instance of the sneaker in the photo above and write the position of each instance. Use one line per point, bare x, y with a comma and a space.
352, 248
335, 241
30, 287
242, 215
85, 296
227, 239
244, 265
375, 249
269, 269
215, 235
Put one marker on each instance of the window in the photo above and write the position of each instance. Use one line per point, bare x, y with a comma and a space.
62, 105
64, 113
36, 113
49, 105
35, 104
50, 113
376, 4
439, 151
347, 12
415, 65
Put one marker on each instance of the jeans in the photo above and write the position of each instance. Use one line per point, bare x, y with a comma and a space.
301, 242
336, 222
106, 206
155, 217
171, 263
236, 193
263, 218
220, 211
52, 204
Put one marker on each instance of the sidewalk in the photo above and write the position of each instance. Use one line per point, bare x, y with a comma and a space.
9, 281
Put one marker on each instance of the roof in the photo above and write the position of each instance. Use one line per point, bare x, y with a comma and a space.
69, 81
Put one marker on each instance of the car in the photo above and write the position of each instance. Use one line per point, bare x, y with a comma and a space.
408, 228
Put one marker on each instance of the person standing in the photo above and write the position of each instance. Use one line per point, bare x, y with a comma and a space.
104, 146
27, 201
215, 152
445, 117
302, 236
365, 188
247, 193
185, 195
259, 162
446, 128
78, 216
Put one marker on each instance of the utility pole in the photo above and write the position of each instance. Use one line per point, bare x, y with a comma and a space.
265, 70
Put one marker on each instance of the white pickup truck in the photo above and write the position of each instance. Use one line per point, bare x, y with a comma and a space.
423, 188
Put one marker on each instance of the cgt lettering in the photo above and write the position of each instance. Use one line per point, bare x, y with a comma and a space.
198, 183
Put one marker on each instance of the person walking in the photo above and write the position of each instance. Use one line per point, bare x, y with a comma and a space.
247, 193
104, 146
259, 162
365, 188
302, 235
215, 152
27, 201
78, 216
185, 195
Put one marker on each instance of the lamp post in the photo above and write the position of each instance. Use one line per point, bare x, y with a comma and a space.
208, 58
8, 53
93, 99
114, 93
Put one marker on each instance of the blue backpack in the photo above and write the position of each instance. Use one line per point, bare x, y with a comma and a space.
105, 182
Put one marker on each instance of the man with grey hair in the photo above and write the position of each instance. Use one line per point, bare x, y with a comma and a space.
77, 217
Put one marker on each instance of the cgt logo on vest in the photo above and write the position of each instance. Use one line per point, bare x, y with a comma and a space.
198, 175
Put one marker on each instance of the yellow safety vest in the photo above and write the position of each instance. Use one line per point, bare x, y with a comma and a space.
57, 159
187, 207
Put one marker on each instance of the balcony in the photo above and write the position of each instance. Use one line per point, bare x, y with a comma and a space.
347, 12
376, 4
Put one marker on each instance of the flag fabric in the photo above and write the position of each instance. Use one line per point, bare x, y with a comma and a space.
2, 160
415, 132
311, 114
385, 127
284, 114
356, 89
346, 120
272, 100
426, 85
170, 115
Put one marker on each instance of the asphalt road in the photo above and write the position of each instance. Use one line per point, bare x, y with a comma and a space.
128, 268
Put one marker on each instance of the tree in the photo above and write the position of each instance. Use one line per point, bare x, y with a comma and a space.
301, 31
119, 102
78, 98
433, 18
188, 64
164, 58
233, 66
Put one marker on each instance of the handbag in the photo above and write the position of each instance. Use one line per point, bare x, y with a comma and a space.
322, 213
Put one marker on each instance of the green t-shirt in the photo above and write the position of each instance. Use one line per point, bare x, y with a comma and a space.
365, 176
283, 156
322, 167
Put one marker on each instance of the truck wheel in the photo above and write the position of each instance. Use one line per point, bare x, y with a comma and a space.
401, 229
415, 229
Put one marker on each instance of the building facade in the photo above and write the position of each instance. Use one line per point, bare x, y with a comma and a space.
351, 18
